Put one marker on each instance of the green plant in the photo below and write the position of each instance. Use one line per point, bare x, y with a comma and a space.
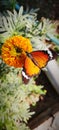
27, 25
16, 98
20, 24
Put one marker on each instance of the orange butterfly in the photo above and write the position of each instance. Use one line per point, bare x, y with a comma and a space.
34, 62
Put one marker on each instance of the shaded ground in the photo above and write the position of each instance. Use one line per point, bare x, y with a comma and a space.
46, 107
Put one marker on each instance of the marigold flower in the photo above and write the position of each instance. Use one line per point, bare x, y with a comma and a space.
13, 50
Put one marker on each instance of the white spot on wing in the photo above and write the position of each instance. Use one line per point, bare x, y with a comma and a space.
23, 73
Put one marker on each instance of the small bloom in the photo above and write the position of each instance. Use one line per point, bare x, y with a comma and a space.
13, 50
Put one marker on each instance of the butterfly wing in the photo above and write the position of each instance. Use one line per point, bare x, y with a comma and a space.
41, 57
25, 77
35, 62
30, 68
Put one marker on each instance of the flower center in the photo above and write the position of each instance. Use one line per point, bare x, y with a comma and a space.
18, 50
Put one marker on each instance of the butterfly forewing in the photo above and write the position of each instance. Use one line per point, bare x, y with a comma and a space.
41, 57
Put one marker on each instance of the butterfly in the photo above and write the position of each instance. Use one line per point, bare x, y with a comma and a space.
34, 62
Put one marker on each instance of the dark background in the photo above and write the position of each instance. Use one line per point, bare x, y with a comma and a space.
48, 8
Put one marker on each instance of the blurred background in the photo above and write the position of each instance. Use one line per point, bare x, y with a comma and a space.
47, 8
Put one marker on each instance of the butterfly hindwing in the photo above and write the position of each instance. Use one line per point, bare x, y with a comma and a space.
30, 68
25, 77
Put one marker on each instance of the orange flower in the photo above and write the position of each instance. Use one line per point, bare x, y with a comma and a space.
13, 50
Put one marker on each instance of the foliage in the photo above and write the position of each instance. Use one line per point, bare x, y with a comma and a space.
26, 24
15, 23
16, 98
